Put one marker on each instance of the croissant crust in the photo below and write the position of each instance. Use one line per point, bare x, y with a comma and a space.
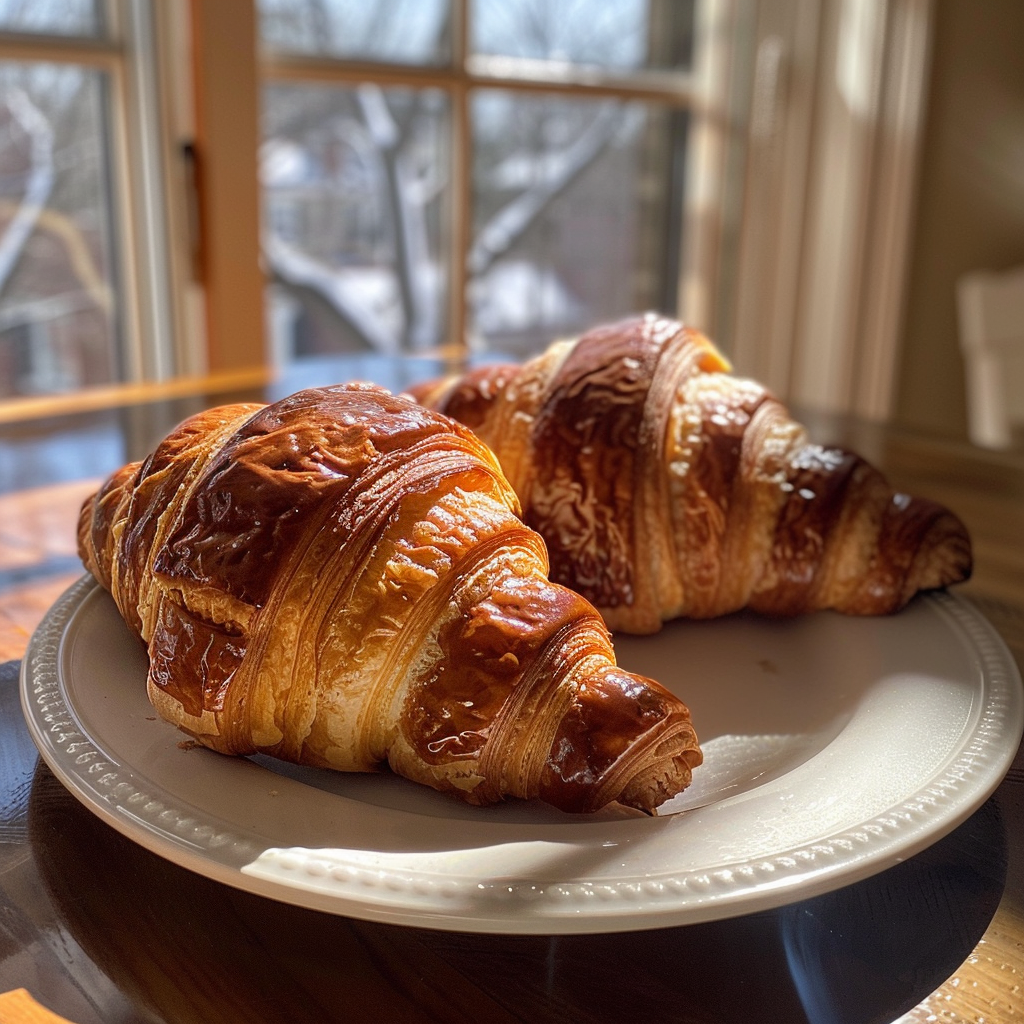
343, 579
665, 486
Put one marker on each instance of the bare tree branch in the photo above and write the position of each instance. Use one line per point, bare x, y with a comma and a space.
555, 172
412, 250
294, 268
38, 187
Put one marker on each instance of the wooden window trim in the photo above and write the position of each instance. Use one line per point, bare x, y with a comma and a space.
226, 144
141, 165
829, 201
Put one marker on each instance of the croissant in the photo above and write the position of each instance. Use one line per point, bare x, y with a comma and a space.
666, 487
343, 579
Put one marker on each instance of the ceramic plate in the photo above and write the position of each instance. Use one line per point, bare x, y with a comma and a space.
834, 747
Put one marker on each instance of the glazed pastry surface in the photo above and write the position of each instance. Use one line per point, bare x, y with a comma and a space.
343, 579
667, 487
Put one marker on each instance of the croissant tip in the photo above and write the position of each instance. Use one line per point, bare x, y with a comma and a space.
944, 557
664, 778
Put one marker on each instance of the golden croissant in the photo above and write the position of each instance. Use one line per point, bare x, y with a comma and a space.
666, 487
342, 579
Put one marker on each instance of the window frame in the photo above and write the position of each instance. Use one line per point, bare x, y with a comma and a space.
805, 294
829, 207
142, 274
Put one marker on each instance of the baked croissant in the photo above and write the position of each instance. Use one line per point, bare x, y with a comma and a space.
342, 579
666, 487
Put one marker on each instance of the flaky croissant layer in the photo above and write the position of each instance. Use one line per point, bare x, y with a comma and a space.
342, 579
665, 486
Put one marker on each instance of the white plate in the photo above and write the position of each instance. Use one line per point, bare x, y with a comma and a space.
834, 747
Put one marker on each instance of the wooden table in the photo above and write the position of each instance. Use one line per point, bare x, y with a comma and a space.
98, 930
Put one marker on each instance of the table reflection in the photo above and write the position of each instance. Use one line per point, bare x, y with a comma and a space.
864, 953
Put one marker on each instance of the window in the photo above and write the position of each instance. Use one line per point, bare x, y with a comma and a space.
500, 171
79, 284
433, 174
443, 176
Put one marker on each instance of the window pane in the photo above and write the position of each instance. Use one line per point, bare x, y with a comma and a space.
625, 35
355, 187
575, 215
59, 17
393, 31
57, 299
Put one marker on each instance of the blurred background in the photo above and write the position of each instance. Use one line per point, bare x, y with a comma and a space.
231, 190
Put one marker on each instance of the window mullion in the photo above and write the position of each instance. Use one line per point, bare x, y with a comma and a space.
128, 327
138, 189
550, 76
677, 90
148, 196
99, 54
461, 172
227, 142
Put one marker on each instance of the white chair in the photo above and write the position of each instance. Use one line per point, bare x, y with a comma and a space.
990, 308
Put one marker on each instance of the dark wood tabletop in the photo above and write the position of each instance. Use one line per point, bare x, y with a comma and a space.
96, 929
